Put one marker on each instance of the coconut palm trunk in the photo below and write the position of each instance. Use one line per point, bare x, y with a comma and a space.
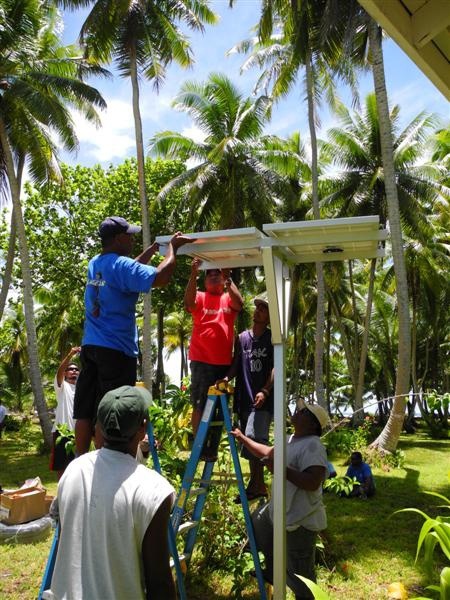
358, 405
34, 368
7, 273
160, 379
320, 314
147, 369
388, 438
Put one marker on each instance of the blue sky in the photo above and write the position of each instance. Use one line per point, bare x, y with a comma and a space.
407, 87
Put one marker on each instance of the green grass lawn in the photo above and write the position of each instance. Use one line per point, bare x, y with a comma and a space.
366, 548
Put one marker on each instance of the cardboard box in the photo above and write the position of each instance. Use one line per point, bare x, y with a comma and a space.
48, 503
21, 506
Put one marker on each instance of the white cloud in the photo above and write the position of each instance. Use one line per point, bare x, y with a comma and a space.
115, 138
414, 97
195, 133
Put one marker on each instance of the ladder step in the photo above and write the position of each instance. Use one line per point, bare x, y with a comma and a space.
182, 558
186, 526
197, 492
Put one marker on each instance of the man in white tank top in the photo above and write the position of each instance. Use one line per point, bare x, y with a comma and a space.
114, 513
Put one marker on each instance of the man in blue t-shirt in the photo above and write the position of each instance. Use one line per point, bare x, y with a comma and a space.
109, 348
363, 473
253, 395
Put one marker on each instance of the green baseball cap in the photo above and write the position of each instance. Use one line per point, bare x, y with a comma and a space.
122, 411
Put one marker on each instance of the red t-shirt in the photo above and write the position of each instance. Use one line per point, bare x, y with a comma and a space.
213, 329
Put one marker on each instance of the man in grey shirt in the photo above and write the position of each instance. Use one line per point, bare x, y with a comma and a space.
306, 470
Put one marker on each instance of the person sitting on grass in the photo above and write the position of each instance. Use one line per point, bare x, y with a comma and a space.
363, 473
331, 470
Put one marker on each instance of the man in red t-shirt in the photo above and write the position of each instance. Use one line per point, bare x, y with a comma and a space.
214, 313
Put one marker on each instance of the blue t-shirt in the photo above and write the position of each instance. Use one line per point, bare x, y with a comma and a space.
361, 473
113, 286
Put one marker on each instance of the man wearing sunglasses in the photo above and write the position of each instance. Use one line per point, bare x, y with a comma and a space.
306, 470
65, 381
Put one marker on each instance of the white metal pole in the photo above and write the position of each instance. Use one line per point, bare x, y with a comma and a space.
279, 479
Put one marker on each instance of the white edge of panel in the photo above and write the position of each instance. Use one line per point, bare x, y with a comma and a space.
228, 234
345, 221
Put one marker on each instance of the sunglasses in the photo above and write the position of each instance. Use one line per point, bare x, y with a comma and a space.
72, 369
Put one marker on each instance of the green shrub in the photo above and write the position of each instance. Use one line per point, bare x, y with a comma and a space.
17, 423
435, 532
344, 441
65, 433
340, 485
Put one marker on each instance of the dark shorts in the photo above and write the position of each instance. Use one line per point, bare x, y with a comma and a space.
59, 458
204, 376
256, 426
102, 370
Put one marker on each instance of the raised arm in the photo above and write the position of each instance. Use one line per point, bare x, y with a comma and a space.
191, 288
146, 255
165, 269
63, 366
236, 301
155, 555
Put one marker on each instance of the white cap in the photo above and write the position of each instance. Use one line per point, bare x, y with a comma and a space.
319, 412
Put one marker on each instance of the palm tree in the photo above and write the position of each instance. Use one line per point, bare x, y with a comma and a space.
231, 185
355, 29
142, 38
291, 38
14, 356
359, 187
177, 327
59, 323
41, 80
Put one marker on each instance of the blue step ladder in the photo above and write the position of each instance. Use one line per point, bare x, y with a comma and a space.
216, 414
176, 560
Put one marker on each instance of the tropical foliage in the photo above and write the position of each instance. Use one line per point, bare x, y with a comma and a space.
363, 334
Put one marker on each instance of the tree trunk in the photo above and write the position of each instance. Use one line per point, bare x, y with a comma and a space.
147, 369
7, 274
320, 313
183, 365
328, 355
160, 375
355, 313
388, 438
358, 416
415, 386
348, 351
33, 356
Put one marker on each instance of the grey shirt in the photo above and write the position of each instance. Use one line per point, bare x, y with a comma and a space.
304, 508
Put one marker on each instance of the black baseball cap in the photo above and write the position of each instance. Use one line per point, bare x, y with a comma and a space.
113, 225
